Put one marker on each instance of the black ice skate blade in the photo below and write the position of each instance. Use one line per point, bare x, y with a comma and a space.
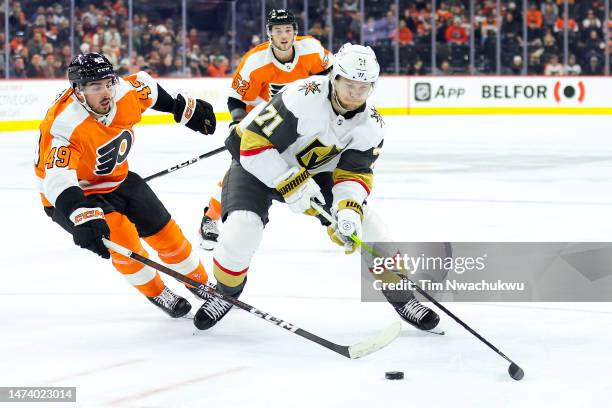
435, 330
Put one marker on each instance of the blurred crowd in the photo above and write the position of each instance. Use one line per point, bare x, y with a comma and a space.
540, 29
41, 46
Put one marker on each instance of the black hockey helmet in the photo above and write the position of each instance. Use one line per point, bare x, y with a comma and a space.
280, 17
89, 67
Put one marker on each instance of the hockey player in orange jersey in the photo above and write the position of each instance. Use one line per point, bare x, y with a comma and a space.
86, 186
263, 71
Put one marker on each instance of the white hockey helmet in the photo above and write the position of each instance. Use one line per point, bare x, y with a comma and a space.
357, 63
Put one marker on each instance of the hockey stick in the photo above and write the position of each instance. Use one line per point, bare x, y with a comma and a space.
369, 346
514, 370
185, 163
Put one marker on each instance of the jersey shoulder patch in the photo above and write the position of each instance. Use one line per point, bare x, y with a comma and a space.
310, 87
371, 132
374, 114
306, 96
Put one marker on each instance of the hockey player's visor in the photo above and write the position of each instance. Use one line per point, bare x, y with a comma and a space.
99, 87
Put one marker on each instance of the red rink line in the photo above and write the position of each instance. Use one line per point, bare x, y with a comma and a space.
90, 372
172, 387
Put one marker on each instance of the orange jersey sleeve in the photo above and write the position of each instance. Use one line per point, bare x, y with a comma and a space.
145, 87
321, 58
58, 154
259, 76
75, 149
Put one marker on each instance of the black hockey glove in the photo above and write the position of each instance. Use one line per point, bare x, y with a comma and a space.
238, 113
196, 114
89, 228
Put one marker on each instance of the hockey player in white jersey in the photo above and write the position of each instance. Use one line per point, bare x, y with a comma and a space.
317, 139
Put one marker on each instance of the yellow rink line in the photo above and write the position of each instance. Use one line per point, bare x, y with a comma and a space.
498, 110
18, 125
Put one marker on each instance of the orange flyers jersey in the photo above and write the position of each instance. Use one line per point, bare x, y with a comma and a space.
75, 149
260, 75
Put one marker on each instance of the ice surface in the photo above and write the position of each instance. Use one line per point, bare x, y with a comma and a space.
69, 319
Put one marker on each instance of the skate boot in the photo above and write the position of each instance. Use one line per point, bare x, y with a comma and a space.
417, 314
411, 310
212, 310
171, 303
209, 232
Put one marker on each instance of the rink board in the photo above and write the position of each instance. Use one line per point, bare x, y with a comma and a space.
23, 102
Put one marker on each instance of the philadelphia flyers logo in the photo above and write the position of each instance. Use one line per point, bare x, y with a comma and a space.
113, 153
569, 91
275, 88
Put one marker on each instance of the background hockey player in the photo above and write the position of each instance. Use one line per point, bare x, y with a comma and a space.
262, 72
317, 139
85, 184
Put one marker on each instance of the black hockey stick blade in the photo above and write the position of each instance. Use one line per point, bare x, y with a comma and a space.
516, 372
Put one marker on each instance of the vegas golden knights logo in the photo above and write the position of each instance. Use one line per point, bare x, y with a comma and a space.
316, 154
310, 87
377, 116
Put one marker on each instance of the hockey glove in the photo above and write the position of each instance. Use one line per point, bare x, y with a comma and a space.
297, 188
237, 115
196, 114
89, 228
348, 222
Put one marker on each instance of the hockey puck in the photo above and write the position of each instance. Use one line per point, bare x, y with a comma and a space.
394, 375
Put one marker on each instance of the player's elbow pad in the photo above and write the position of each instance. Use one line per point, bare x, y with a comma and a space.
196, 114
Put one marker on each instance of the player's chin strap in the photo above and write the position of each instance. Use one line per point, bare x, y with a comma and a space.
338, 100
100, 117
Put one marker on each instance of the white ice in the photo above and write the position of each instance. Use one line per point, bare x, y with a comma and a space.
69, 319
